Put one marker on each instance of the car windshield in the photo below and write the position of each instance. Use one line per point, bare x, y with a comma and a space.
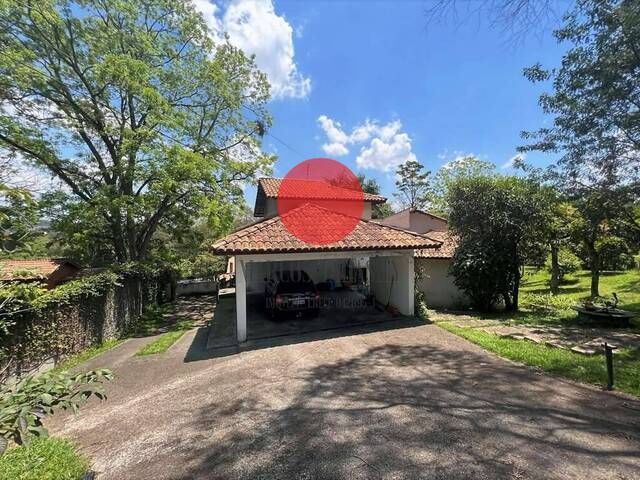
295, 281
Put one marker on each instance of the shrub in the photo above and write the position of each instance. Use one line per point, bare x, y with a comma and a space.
568, 263
614, 254
25, 402
545, 302
44, 459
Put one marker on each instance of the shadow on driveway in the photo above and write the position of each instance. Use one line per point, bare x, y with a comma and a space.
410, 411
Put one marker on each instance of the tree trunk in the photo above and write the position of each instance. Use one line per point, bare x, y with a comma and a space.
555, 270
594, 259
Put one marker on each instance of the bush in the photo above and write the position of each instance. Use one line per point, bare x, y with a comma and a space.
420, 306
25, 402
546, 302
614, 254
568, 263
44, 459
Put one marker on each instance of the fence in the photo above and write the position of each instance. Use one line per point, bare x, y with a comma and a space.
43, 337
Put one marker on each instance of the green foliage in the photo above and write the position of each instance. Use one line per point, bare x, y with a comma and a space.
614, 253
546, 302
568, 263
202, 265
624, 284
595, 95
496, 220
371, 185
148, 123
44, 459
468, 166
25, 402
91, 285
152, 319
18, 217
587, 369
413, 185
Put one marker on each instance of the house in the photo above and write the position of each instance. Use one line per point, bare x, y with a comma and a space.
434, 279
51, 271
373, 259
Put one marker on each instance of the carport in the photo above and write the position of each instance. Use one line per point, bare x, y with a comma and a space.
382, 255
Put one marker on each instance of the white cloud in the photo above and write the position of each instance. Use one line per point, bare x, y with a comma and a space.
386, 155
513, 161
335, 149
387, 149
254, 27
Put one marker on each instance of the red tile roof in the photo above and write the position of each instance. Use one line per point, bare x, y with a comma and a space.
446, 250
271, 236
299, 188
31, 269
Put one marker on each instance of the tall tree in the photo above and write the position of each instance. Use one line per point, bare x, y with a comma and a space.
596, 94
413, 185
145, 120
496, 220
370, 185
463, 167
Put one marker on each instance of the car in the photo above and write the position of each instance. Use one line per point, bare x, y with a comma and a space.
291, 291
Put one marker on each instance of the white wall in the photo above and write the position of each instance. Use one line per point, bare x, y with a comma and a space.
392, 281
271, 208
318, 270
415, 221
439, 289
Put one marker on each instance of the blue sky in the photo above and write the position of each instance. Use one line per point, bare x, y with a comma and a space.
430, 91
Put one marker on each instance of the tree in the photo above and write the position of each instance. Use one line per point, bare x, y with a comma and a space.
596, 94
463, 167
144, 119
370, 185
413, 185
496, 220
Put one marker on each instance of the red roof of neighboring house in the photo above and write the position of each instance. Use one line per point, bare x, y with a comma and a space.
312, 189
300, 188
446, 250
271, 236
32, 269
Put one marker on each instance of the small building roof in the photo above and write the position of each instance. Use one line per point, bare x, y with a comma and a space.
271, 236
269, 187
31, 269
448, 246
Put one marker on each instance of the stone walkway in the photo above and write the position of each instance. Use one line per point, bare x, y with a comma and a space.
583, 340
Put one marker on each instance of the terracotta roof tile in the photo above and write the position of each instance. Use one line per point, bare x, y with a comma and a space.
38, 268
446, 250
271, 236
321, 190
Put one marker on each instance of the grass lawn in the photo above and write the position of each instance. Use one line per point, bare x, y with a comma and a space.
625, 284
88, 354
561, 362
535, 290
44, 459
164, 341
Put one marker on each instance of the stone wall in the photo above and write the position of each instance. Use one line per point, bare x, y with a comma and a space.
44, 337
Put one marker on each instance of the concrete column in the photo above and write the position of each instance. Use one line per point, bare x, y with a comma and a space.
241, 300
412, 281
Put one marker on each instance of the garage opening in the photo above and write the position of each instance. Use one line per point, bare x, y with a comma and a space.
284, 297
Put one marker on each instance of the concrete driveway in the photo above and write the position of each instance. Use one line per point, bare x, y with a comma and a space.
399, 403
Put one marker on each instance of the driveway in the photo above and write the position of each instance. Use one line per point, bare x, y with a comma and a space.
412, 402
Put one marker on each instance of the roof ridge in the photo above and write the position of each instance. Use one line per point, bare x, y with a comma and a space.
393, 227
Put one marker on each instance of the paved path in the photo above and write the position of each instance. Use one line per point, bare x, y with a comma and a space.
405, 403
